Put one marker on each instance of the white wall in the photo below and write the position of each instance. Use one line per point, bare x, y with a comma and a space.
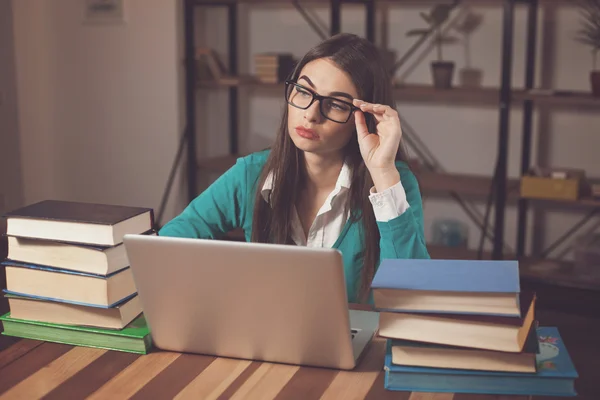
100, 106
463, 138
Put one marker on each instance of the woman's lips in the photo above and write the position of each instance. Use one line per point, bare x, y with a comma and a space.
306, 133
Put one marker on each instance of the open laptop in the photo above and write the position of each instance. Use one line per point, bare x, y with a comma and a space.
276, 303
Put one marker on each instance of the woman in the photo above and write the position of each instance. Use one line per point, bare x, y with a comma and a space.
335, 176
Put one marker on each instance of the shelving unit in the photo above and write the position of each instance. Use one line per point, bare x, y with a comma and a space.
432, 183
547, 270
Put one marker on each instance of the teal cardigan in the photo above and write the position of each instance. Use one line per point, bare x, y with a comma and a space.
229, 202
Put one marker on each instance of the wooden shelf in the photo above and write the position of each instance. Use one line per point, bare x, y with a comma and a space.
464, 184
430, 182
583, 201
404, 92
435, 183
456, 94
554, 272
560, 98
246, 81
418, 92
455, 253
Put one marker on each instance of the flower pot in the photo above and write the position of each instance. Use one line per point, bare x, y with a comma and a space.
595, 80
471, 77
442, 72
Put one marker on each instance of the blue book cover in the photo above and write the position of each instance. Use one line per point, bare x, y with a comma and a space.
77, 303
494, 276
555, 374
20, 264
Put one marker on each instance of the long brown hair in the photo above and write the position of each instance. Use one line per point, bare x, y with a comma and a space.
362, 61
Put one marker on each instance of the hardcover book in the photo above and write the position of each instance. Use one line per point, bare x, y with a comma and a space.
135, 338
499, 333
69, 286
448, 286
555, 374
76, 222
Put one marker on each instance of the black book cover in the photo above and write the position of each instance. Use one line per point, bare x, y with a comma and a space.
89, 213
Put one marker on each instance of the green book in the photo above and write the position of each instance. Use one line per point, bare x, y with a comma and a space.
134, 338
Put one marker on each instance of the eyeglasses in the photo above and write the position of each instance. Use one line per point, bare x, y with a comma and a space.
332, 108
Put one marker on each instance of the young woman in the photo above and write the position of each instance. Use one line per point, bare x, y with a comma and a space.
336, 175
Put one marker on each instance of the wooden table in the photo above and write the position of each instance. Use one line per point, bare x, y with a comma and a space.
31, 369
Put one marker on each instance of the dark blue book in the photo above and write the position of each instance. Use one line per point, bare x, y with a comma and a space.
555, 375
448, 286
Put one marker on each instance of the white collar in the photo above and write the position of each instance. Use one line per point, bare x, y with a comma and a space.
343, 182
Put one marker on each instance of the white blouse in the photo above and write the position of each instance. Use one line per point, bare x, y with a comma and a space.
331, 218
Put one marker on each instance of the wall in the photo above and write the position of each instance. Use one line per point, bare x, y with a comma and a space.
463, 138
11, 189
100, 107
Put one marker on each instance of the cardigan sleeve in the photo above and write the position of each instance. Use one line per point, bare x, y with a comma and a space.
214, 212
404, 235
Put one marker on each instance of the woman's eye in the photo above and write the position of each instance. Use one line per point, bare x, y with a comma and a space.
339, 106
303, 92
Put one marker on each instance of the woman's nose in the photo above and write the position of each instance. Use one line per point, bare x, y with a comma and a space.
313, 113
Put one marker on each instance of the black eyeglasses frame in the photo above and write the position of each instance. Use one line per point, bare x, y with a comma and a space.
315, 97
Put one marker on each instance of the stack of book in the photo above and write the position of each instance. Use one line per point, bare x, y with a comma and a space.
466, 327
273, 67
68, 278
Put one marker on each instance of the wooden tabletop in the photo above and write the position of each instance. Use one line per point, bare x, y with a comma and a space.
31, 369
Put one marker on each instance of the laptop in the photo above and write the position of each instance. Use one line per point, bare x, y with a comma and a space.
267, 302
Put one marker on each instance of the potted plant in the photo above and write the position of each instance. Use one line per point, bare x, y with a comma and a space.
466, 25
442, 71
589, 35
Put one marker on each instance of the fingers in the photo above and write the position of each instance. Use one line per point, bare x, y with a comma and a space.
376, 109
361, 125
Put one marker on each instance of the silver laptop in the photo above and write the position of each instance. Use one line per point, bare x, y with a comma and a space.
276, 303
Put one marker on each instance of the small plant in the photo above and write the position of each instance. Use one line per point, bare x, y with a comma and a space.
466, 25
436, 18
442, 70
589, 34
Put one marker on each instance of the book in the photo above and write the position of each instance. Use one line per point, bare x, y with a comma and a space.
43, 310
69, 286
135, 338
448, 286
273, 67
272, 58
99, 260
420, 354
472, 331
77, 222
555, 374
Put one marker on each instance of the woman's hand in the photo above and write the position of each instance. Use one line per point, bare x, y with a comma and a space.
379, 149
